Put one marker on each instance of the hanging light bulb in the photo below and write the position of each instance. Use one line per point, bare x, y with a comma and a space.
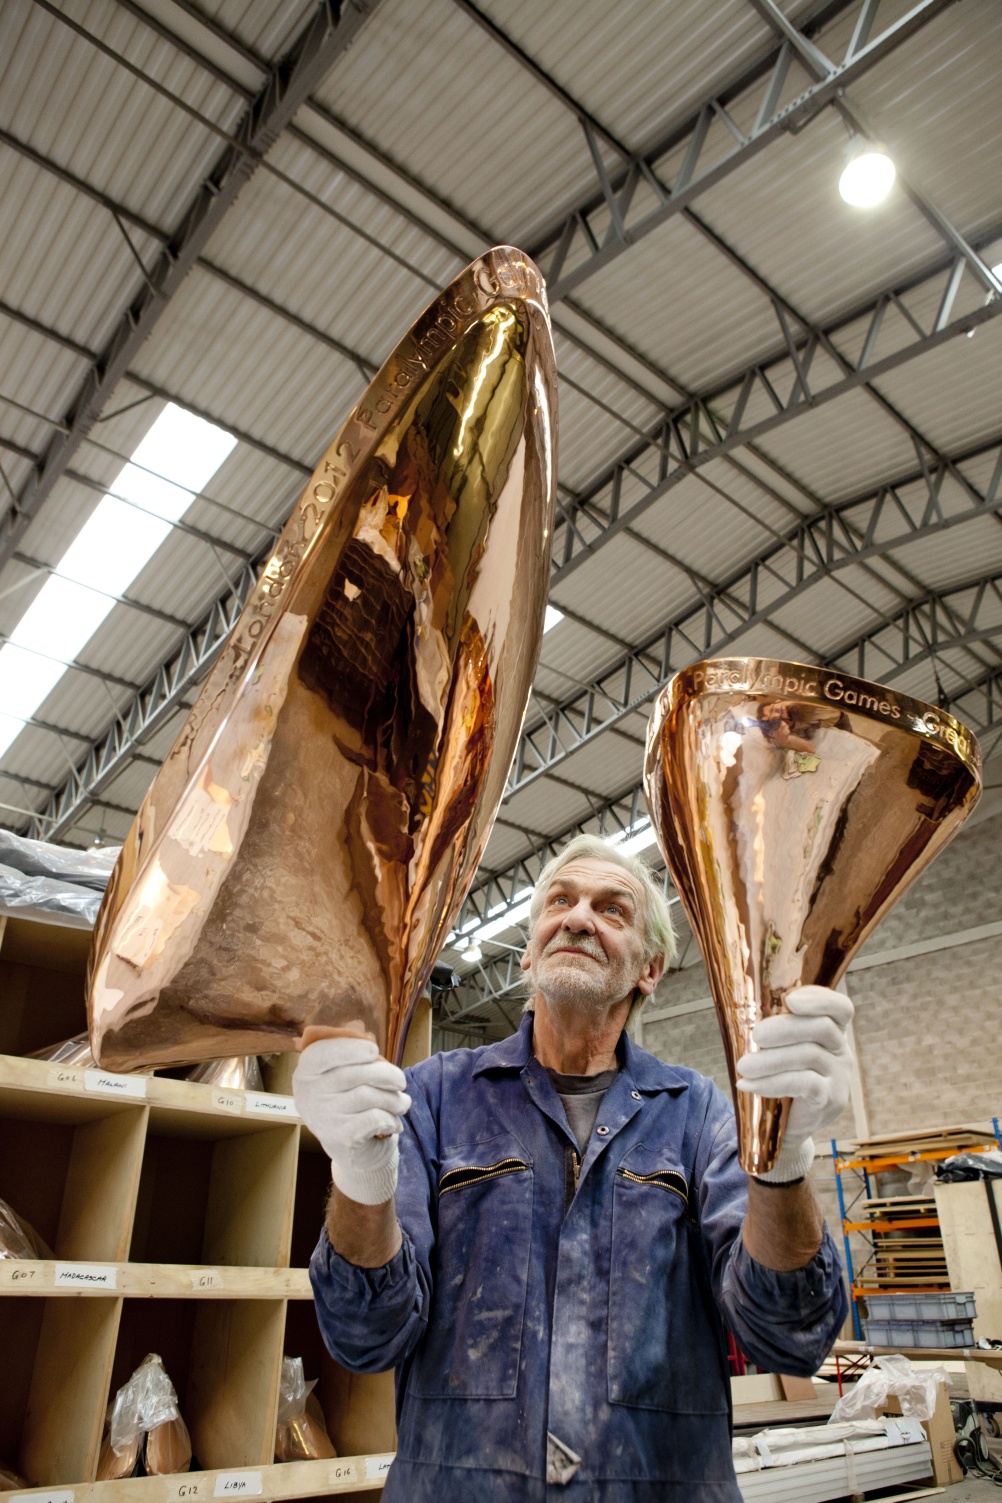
867, 177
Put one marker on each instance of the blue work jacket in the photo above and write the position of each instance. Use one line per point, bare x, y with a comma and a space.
534, 1293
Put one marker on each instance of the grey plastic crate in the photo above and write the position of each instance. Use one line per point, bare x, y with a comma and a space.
919, 1333
944, 1306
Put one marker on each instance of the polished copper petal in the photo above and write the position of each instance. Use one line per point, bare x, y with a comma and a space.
303, 1439
794, 806
307, 844
168, 1449
241, 1072
113, 1465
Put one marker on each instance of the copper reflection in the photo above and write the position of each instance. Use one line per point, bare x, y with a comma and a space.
305, 848
793, 807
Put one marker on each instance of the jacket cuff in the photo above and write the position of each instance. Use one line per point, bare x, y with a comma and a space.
799, 1293
365, 1286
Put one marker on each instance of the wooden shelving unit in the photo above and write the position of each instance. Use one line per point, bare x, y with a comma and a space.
181, 1218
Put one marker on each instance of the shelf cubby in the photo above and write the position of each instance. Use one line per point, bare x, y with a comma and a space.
358, 1407
42, 971
223, 1358
215, 1190
57, 1359
313, 1182
70, 1165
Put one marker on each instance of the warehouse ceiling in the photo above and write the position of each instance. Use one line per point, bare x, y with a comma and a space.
780, 416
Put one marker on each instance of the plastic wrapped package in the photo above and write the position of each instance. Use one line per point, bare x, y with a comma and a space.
968, 1166
40, 858
146, 1435
915, 1391
48, 898
789, 1446
300, 1434
18, 1238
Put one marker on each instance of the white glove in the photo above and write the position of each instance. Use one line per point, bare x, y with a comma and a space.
352, 1101
804, 1054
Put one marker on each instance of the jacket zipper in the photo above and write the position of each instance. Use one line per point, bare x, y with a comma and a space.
458, 1179
665, 1179
577, 1169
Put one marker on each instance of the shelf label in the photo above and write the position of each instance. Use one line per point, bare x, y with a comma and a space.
205, 1278
62, 1076
238, 1484
378, 1466
25, 1274
40, 1497
114, 1085
86, 1276
228, 1101
342, 1471
271, 1106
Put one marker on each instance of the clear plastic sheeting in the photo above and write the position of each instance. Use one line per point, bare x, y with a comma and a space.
39, 858
293, 1389
968, 1166
148, 1399
300, 1434
56, 883
47, 898
18, 1238
914, 1390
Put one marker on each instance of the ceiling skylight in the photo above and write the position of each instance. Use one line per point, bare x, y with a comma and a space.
177, 459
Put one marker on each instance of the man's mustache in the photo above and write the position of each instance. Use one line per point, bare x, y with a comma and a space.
567, 940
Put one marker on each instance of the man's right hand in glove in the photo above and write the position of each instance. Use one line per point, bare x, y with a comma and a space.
352, 1101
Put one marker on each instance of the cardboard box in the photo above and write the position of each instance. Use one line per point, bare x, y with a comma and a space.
945, 1466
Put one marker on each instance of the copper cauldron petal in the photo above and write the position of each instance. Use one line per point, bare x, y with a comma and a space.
303, 851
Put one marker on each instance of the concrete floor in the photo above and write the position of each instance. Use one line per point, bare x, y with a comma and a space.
972, 1490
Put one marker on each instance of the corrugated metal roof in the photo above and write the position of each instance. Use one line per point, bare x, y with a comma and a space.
266, 26
939, 94
135, 145
684, 305
436, 95
632, 65
498, 117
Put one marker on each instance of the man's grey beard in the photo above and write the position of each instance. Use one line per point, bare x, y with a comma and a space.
589, 988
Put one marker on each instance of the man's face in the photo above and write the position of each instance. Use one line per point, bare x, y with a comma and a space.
587, 945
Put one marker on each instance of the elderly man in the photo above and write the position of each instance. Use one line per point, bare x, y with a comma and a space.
547, 1237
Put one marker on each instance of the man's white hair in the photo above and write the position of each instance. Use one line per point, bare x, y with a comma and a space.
659, 931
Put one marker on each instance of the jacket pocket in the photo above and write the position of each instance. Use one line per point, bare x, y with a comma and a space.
480, 1272
663, 1343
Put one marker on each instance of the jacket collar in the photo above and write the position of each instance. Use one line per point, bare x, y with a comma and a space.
647, 1071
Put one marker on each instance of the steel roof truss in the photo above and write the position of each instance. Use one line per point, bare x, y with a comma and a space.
331, 28
594, 233
842, 535
711, 426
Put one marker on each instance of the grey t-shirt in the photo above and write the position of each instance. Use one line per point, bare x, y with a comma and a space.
582, 1097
